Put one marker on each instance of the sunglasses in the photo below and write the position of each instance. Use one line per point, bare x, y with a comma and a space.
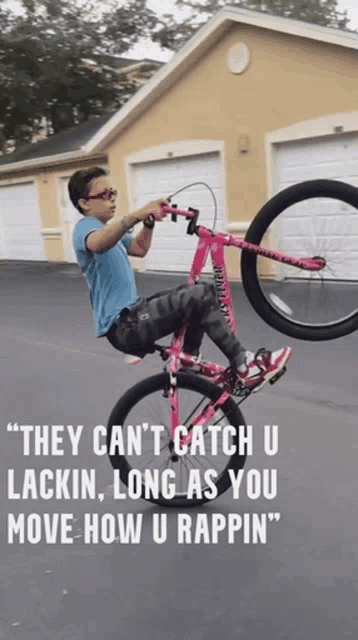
107, 194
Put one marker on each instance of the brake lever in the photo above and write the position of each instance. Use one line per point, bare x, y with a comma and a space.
154, 215
193, 222
174, 215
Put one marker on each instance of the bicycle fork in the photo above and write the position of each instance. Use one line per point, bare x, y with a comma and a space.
200, 419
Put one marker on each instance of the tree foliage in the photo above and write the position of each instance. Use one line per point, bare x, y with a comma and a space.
321, 12
58, 60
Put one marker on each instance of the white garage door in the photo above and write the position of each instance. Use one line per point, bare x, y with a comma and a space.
70, 216
172, 249
20, 224
337, 223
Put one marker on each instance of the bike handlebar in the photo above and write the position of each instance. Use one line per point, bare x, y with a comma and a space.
190, 214
171, 210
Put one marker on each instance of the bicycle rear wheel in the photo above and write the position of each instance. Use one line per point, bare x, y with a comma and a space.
316, 218
148, 402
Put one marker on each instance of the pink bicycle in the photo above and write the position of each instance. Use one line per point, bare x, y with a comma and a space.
177, 437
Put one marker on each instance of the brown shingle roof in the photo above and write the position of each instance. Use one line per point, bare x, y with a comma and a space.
70, 140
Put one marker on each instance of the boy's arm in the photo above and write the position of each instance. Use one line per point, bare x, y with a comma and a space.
140, 244
105, 239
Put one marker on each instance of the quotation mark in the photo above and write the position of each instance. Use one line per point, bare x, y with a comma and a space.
274, 516
12, 427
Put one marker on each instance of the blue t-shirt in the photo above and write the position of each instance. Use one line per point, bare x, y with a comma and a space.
109, 276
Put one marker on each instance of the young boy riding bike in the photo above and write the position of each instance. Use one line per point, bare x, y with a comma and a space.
132, 324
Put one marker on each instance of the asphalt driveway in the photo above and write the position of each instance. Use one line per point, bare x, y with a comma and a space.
301, 583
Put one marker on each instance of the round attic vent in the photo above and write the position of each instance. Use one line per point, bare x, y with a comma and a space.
238, 58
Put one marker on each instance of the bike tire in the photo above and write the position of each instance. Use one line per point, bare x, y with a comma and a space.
147, 395
328, 297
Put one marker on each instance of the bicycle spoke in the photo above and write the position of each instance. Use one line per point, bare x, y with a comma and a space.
310, 229
193, 412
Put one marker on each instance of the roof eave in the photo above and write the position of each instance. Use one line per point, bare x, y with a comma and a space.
45, 161
138, 65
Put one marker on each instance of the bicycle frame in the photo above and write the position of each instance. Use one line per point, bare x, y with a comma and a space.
214, 243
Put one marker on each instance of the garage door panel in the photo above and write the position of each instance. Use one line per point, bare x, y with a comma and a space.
335, 223
350, 168
168, 262
331, 171
177, 249
23, 237
20, 223
192, 195
172, 249
13, 218
184, 165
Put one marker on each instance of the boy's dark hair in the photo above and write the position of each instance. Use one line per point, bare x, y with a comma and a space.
78, 184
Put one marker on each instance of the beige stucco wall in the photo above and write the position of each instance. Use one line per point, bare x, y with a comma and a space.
50, 214
289, 79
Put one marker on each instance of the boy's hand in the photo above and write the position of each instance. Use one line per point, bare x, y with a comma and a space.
154, 205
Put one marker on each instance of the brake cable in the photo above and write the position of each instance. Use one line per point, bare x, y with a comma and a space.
211, 191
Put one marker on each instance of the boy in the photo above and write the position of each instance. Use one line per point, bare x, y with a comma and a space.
133, 325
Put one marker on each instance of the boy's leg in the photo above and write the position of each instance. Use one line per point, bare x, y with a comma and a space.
162, 314
193, 336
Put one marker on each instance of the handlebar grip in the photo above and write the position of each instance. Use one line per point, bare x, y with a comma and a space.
174, 211
153, 215
164, 208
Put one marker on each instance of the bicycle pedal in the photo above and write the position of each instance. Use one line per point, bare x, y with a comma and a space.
278, 375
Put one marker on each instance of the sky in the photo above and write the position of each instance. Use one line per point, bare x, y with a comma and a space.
150, 50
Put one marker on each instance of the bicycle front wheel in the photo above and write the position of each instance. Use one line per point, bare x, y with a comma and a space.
316, 218
147, 403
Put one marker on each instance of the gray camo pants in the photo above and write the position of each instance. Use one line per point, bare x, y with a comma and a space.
163, 313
